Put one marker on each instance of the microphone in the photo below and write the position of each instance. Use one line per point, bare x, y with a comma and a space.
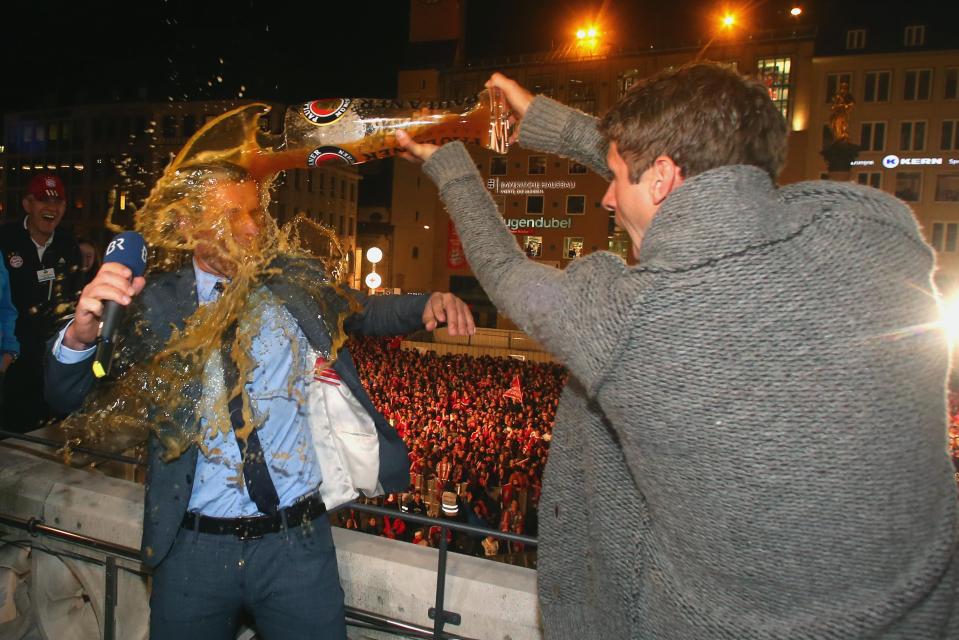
129, 249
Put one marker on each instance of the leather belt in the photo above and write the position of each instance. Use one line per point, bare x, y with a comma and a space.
254, 527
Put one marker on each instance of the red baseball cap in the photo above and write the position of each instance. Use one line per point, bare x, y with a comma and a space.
47, 186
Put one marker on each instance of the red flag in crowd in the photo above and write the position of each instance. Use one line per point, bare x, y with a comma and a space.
325, 373
515, 391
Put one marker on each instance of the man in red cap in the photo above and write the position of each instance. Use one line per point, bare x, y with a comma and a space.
43, 262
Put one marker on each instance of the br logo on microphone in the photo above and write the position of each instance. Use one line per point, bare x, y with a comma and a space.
115, 245
129, 249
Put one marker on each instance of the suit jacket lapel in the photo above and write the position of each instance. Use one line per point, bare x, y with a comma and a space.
301, 305
184, 296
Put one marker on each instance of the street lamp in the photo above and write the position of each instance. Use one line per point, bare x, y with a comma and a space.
587, 38
373, 279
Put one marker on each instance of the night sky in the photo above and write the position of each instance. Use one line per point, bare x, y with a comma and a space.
72, 52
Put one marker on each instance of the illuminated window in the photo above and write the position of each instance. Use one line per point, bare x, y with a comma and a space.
872, 136
876, 86
537, 165
908, 185
856, 39
620, 244
947, 187
498, 165
572, 247
776, 74
912, 135
533, 246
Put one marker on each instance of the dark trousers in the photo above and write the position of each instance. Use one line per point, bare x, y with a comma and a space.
23, 407
288, 582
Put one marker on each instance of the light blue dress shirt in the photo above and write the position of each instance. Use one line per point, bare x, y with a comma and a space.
218, 487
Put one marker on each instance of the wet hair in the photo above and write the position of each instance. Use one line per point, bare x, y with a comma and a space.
180, 195
703, 115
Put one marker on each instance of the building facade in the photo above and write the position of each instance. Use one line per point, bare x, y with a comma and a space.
906, 123
905, 119
552, 204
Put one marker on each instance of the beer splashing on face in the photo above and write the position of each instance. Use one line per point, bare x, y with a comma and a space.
209, 207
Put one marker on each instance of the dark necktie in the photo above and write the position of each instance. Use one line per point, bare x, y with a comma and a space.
256, 475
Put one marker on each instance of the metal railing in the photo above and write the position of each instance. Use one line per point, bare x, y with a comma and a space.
36, 527
438, 613
355, 617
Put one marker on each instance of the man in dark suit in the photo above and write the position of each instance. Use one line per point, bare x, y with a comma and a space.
239, 527
42, 260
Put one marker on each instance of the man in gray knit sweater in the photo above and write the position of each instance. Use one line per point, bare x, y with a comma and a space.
761, 398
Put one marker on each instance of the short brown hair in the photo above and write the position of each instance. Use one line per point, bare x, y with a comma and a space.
703, 115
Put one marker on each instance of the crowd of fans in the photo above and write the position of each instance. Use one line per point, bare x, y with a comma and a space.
478, 440
477, 452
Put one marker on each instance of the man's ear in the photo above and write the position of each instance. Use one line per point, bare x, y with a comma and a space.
667, 177
27, 200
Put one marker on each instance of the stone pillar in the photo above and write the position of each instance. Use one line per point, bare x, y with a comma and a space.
839, 156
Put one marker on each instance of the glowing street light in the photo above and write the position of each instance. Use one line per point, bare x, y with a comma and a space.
795, 11
728, 21
373, 279
587, 38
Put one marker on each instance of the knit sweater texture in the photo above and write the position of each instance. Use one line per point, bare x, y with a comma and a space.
753, 444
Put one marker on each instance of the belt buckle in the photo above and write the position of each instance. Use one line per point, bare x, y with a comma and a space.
245, 532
